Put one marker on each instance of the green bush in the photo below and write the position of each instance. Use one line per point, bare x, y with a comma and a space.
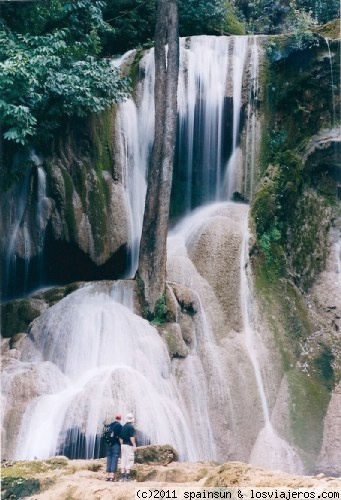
13, 488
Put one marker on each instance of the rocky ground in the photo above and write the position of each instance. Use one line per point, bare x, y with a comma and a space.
62, 479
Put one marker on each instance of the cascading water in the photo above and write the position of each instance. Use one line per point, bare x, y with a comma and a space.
90, 355
239, 56
201, 92
135, 125
104, 357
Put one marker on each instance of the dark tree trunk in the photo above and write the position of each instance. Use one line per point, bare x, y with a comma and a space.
152, 260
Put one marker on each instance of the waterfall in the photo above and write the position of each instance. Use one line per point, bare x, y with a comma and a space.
212, 75
135, 125
204, 64
239, 55
42, 205
91, 354
105, 358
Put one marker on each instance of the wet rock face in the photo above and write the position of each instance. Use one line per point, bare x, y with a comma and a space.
322, 161
92, 214
66, 222
329, 460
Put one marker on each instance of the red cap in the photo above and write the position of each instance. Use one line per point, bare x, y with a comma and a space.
118, 416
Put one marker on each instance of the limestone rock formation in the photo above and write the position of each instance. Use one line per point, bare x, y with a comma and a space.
58, 478
156, 455
330, 456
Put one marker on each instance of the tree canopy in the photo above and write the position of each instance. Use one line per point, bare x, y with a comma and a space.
51, 69
53, 62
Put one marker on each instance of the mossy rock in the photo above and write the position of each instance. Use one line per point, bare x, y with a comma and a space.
54, 295
309, 402
329, 30
156, 455
17, 487
17, 315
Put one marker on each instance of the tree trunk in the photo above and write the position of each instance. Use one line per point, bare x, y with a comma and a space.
152, 261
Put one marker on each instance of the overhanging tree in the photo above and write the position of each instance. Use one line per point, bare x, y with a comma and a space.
151, 272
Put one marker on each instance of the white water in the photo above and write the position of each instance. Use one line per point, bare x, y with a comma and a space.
239, 56
204, 65
101, 356
208, 66
108, 359
135, 125
181, 240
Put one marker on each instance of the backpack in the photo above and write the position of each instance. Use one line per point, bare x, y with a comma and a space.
108, 434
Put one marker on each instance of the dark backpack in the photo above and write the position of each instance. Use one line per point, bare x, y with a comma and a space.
108, 434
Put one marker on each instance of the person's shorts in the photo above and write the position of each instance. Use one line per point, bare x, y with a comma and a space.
127, 457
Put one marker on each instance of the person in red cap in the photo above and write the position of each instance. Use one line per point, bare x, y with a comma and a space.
114, 448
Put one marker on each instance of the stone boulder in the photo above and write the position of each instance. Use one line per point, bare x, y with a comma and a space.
156, 455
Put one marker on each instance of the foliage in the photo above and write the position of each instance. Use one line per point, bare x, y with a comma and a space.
18, 487
267, 16
272, 209
321, 10
208, 17
271, 249
160, 311
301, 23
282, 16
47, 76
134, 21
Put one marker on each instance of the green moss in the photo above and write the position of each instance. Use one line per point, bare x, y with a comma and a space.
30, 468
54, 295
18, 487
102, 132
159, 315
160, 312
232, 25
309, 401
141, 296
97, 214
309, 248
134, 68
311, 381
79, 173
285, 312
324, 366
16, 317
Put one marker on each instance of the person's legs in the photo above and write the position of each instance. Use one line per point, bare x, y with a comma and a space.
110, 463
116, 455
129, 463
124, 460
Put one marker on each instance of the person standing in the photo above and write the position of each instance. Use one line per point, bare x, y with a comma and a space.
114, 448
128, 447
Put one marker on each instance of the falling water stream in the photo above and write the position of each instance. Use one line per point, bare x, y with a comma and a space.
92, 354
